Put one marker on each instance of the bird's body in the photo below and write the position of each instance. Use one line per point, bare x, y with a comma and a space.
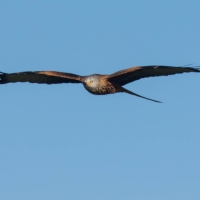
97, 84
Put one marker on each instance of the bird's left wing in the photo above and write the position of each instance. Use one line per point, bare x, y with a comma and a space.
45, 77
135, 73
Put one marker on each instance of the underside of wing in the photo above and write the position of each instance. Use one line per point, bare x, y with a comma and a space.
135, 73
40, 77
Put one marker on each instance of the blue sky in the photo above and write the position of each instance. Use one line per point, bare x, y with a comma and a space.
61, 142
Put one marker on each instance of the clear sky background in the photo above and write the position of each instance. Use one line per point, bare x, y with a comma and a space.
61, 142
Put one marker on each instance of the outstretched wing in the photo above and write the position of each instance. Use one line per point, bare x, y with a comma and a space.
45, 77
135, 73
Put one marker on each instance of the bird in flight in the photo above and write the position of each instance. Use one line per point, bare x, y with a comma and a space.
97, 83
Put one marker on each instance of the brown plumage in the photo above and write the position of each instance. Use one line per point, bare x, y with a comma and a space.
97, 84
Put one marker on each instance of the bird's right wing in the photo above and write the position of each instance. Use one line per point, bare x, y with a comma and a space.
45, 77
135, 73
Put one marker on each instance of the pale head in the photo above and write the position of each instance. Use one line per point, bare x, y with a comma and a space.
91, 83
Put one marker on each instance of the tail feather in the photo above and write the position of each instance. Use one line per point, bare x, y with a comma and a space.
132, 93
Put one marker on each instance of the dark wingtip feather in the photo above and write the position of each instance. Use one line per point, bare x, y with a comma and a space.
2, 78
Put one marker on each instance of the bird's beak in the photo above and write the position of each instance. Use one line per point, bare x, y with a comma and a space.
88, 83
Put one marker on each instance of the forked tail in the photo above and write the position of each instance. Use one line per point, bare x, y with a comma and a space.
132, 93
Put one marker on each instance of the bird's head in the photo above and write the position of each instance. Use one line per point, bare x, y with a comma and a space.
91, 82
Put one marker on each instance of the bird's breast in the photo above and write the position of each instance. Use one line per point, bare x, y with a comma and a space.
101, 89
